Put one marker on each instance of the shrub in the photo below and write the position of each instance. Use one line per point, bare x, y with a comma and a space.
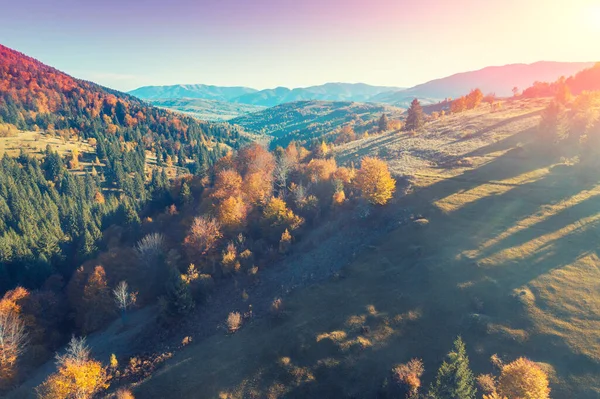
234, 322
124, 393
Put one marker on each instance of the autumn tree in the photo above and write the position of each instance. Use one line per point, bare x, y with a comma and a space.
458, 105
277, 217
474, 98
405, 379
13, 342
228, 183
375, 181
454, 379
203, 237
523, 379
415, 119
347, 134
232, 213
255, 158
78, 375
319, 170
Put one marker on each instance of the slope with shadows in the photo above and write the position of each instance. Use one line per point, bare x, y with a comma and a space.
208, 110
501, 249
304, 121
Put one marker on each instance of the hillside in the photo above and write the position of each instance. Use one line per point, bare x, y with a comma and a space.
498, 246
208, 110
304, 121
495, 79
34, 96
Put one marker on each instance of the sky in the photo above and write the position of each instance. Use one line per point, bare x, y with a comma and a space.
125, 44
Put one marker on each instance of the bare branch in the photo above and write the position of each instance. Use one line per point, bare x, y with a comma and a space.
123, 297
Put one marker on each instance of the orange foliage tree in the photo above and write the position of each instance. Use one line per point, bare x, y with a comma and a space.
320, 169
203, 237
375, 181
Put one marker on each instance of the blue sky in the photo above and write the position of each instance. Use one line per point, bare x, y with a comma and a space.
268, 43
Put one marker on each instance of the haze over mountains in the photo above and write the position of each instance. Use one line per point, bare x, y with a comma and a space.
495, 79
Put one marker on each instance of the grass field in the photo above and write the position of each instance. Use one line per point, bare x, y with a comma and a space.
35, 143
508, 260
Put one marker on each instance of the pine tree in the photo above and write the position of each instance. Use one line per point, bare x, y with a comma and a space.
185, 194
415, 118
384, 123
178, 297
554, 124
454, 379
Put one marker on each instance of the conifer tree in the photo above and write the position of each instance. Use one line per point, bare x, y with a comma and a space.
178, 297
415, 118
384, 123
454, 379
185, 194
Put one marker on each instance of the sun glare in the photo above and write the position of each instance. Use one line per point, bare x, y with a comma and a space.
593, 16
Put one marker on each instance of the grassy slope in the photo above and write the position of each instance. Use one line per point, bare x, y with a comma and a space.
508, 260
209, 110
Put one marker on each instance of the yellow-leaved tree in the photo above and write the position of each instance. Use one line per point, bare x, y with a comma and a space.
375, 181
523, 379
78, 376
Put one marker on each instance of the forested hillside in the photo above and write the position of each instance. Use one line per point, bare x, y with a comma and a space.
306, 121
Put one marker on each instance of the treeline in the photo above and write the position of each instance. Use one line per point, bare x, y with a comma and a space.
34, 96
586, 80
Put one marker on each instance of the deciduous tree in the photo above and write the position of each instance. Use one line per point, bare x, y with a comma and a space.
523, 379
375, 181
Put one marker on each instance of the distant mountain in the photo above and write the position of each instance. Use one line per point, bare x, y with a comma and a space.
191, 91
496, 79
304, 121
358, 92
266, 98
208, 110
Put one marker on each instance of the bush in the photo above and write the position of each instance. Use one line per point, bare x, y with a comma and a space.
234, 322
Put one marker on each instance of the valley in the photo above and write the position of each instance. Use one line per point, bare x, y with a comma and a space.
341, 240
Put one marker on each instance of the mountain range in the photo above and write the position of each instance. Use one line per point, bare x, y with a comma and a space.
496, 79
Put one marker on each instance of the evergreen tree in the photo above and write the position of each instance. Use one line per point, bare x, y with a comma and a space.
185, 194
178, 297
454, 379
415, 118
554, 125
384, 123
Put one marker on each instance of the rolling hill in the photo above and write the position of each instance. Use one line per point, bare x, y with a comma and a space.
501, 248
303, 121
208, 110
494, 79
